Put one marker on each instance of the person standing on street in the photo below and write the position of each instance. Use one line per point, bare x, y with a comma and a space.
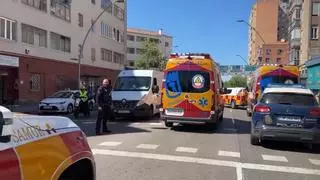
104, 101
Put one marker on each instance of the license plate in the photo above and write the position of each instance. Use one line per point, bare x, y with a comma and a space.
175, 112
47, 107
124, 111
289, 119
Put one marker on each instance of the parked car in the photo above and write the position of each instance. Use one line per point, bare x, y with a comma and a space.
61, 102
289, 113
37, 147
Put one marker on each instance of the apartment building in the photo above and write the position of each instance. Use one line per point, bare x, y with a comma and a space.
40, 42
268, 32
135, 40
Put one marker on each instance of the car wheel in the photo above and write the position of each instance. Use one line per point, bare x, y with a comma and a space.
150, 112
233, 105
221, 117
70, 109
254, 140
168, 124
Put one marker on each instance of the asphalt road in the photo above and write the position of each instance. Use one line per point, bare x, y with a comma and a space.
147, 150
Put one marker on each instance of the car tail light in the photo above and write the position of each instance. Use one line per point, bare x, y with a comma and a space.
238, 97
315, 112
262, 109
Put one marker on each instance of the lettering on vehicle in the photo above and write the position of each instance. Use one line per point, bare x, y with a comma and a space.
28, 133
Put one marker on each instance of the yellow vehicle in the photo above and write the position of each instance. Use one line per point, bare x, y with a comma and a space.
235, 97
191, 90
44, 148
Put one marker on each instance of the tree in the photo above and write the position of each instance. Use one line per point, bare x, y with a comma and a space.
236, 81
151, 57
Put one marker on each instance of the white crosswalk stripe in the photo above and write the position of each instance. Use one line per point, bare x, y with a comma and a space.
274, 158
110, 143
187, 149
315, 162
229, 154
147, 146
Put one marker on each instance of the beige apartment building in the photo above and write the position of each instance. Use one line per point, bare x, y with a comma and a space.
39, 45
268, 33
135, 40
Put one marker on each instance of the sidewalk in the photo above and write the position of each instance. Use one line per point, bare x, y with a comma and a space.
30, 108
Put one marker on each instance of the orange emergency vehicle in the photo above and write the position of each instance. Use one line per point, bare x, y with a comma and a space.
43, 148
236, 97
191, 90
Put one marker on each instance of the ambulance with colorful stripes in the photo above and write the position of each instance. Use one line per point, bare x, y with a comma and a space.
191, 90
43, 148
236, 97
270, 74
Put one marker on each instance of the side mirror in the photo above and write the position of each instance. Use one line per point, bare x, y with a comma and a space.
5, 128
155, 89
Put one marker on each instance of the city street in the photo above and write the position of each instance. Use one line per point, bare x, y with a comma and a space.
148, 150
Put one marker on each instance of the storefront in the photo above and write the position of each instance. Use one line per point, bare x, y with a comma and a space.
313, 74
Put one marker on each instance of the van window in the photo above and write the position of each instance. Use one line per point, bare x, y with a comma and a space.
188, 81
132, 83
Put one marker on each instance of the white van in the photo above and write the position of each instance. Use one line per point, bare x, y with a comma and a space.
137, 93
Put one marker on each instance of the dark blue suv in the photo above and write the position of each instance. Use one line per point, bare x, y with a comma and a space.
286, 113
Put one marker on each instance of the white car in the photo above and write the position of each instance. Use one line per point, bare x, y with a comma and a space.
61, 102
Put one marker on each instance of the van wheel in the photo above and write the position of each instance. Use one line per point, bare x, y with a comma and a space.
233, 105
254, 140
150, 112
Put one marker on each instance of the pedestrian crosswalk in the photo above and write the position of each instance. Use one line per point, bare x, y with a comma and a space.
193, 150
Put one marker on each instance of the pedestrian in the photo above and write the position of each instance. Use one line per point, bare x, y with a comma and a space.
104, 101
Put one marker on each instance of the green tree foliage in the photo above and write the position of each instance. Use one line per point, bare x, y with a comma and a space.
236, 81
151, 57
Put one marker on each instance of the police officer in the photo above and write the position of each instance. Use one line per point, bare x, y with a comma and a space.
84, 98
104, 106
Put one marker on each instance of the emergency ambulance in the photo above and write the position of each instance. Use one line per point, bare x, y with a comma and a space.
191, 90
236, 97
43, 148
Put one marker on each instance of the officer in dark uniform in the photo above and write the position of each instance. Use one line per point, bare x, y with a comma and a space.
104, 101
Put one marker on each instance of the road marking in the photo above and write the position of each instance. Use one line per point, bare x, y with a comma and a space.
110, 143
155, 124
186, 149
239, 173
274, 158
229, 154
147, 146
213, 162
315, 161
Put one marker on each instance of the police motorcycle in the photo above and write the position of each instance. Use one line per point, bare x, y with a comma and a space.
81, 106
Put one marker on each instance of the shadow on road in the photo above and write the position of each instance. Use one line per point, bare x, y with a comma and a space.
290, 146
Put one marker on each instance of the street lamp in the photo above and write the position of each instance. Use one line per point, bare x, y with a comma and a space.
89, 30
251, 27
242, 58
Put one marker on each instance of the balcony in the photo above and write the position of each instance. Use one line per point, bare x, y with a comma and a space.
296, 23
295, 42
295, 3
61, 10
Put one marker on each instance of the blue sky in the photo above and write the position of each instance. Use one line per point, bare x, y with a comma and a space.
197, 26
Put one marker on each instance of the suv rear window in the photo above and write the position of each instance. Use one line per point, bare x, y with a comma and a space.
188, 81
289, 99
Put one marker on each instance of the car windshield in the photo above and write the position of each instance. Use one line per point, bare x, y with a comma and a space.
289, 99
188, 81
61, 94
132, 83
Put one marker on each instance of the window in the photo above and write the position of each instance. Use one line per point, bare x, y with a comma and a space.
93, 54
80, 18
131, 50
33, 35
166, 44
267, 60
118, 39
35, 82
60, 43
106, 30
131, 63
316, 9
298, 13
117, 57
61, 9
106, 3
289, 99
118, 12
132, 83
279, 51
154, 40
268, 51
130, 38
106, 55
141, 39
139, 51
8, 29
93, 1
314, 32
38, 4
278, 60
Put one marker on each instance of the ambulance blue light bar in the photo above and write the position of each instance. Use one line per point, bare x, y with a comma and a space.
280, 85
190, 55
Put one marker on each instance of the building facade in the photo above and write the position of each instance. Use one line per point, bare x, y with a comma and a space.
268, 35
135, 40
40, 43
